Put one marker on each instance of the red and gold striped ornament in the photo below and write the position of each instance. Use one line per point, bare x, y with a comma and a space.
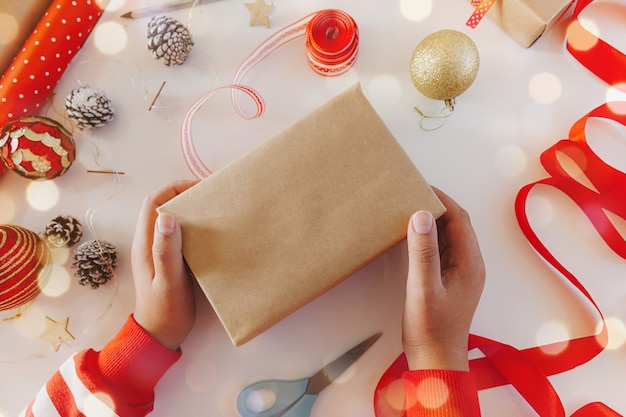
24, 260
36, 147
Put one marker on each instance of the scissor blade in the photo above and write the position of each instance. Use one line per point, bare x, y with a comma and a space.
329, 373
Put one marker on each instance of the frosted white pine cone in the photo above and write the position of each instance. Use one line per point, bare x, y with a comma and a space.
169, 39
89, 107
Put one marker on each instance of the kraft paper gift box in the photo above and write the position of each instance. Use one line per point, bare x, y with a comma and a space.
304, 210
526, 20
20, 18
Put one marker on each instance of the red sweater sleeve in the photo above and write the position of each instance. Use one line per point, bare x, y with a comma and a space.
439, 393
122, 377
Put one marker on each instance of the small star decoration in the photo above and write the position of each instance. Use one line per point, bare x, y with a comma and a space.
260, 12
56, 332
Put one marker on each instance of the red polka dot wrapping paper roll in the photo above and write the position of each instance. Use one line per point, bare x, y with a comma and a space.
40, 64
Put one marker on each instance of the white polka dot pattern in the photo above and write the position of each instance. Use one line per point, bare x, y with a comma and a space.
37, 68
482, 7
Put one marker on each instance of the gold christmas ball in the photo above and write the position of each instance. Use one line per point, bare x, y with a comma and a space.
444, 64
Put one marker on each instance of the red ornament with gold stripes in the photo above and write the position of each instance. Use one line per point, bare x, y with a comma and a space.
24, 260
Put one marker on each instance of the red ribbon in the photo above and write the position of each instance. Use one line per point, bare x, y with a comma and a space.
527, 369
38, 67
597, 56
480, 10
332, 40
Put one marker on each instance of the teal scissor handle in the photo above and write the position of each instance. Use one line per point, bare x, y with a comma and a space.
291, 399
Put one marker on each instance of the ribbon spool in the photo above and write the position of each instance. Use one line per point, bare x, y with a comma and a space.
332, 40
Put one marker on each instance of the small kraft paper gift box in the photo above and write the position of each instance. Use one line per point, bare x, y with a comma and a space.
526, 20
292, 218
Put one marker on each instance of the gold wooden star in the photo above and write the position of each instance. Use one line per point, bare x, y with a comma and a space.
260, 12
56, 332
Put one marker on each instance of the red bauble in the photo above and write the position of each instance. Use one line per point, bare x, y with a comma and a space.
37, 147
24, 258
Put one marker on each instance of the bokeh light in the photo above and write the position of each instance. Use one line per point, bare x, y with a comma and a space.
42, 195
58, 283
616, 97
510, 161
545, 88
201, 376
8, 207
416, 10
582, 34
8, 28
110, 37
433, 393
552, 337
60, 255
617, 332
386, 90
393, 395
32, 324
260, 400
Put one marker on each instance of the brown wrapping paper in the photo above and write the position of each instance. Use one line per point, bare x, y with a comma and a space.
526, 20
18, 19
286, 222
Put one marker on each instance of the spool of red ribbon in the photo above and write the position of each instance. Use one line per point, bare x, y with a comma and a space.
39, 65
332, 41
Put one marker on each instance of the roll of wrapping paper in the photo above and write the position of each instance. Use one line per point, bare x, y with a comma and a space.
41, 62
331, 43
25, 14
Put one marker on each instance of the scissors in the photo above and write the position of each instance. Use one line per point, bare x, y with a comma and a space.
295, 398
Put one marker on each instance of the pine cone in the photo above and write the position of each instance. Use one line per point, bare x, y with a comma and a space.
63, 232
95, 261
89, 107
169, 39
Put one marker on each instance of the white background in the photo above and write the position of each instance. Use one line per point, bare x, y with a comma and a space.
482, 156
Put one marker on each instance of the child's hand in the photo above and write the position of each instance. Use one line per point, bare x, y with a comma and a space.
165, 304
445, 280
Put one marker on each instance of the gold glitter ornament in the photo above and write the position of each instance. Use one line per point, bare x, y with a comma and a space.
444, 64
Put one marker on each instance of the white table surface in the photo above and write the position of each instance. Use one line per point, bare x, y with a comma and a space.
485, 153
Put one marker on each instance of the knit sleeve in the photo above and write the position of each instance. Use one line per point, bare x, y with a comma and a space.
120, 378
129, 366
439, 393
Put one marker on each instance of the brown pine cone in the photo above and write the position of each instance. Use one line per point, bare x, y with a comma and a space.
63, 232
95, 261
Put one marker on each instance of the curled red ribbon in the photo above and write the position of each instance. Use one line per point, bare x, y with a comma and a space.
596, 55
38, 67
332, 39
527, 370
